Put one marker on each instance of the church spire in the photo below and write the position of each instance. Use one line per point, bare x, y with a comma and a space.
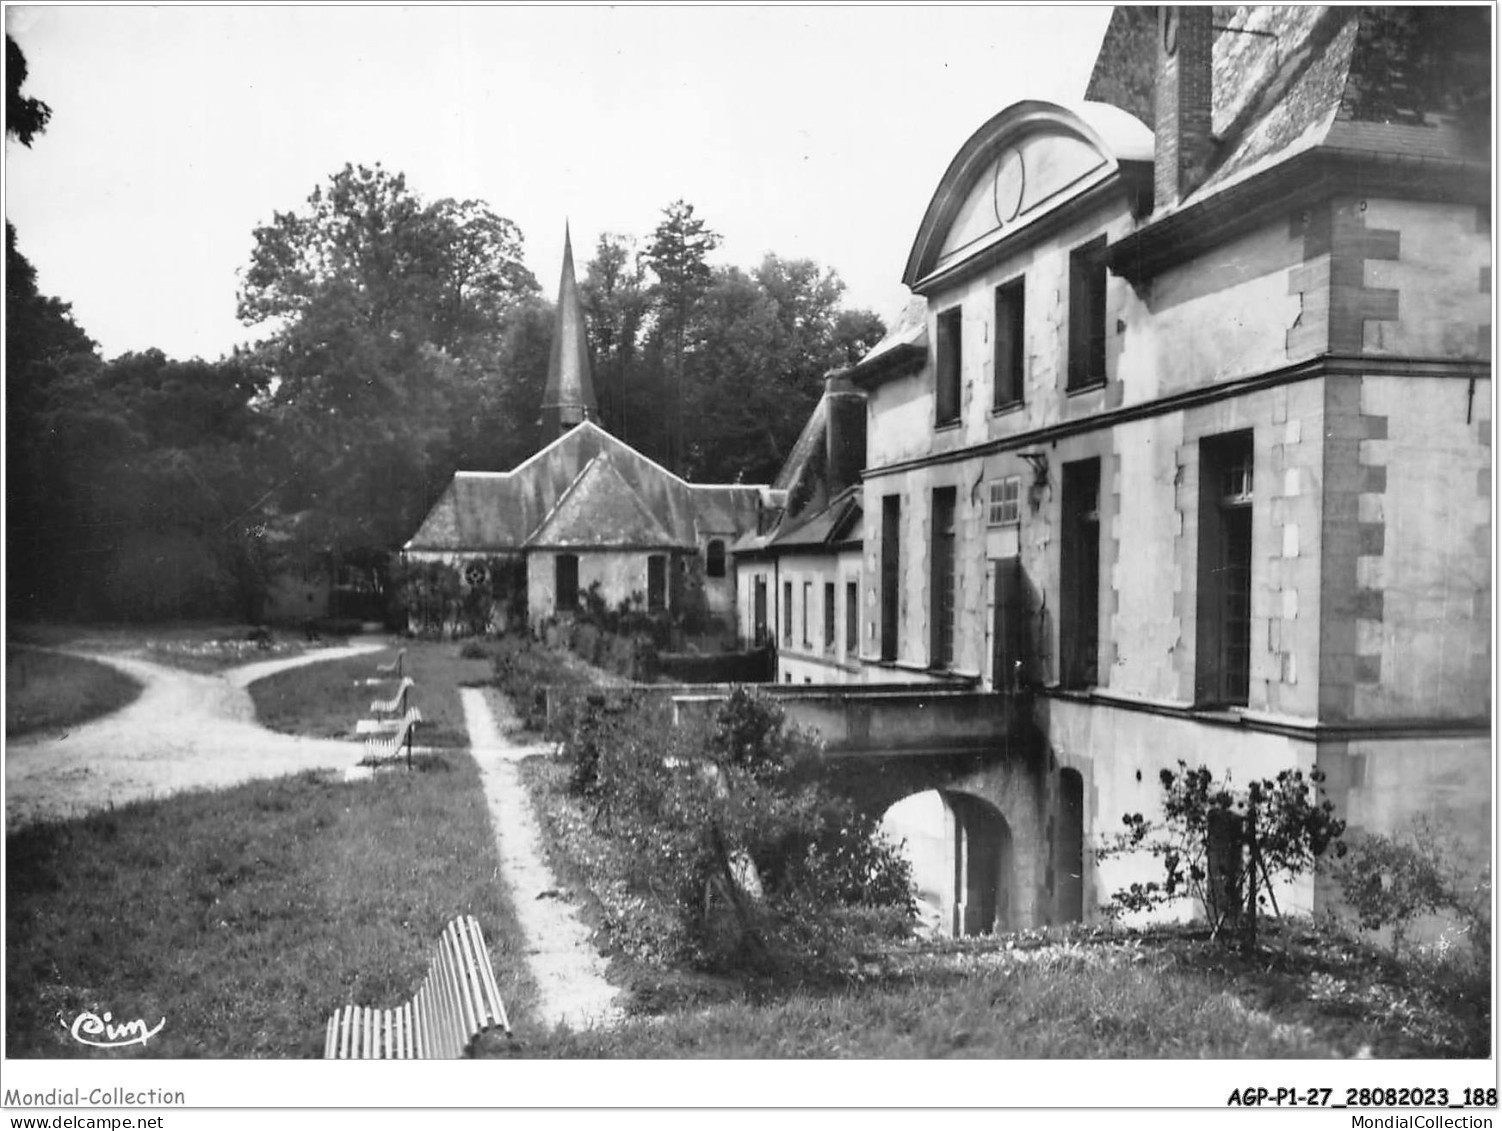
570, 394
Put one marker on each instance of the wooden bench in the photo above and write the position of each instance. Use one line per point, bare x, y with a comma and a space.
456, 1002
394, 667
382, 748
397, 704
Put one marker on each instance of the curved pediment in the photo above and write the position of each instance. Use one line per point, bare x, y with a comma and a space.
1026, 162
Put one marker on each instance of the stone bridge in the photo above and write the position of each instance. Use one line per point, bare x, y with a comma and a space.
1013, 829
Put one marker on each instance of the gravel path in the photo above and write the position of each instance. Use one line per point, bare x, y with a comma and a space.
185, 731
569, 972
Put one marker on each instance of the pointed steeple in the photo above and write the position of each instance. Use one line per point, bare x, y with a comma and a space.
570, 394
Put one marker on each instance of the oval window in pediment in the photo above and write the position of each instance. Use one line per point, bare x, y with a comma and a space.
1011, 179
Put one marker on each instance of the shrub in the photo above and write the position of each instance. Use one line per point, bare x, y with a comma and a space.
746, 859
524, 671
1389, 882
1223, 848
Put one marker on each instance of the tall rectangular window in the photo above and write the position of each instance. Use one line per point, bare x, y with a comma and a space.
891, 551
808, 600
1009, 629
1009, 344
657, 583
947, 377
1079, 575
759, 609
1087, 315
942, 582
565, 583
787, 612
1223, 637
852, 618
829, 616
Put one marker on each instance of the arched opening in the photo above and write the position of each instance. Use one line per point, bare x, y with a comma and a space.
960, 849
1069, 854
715, 558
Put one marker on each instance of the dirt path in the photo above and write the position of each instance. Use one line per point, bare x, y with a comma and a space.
186, 731
569, 972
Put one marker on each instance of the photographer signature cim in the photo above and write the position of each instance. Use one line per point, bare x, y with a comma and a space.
88, 1027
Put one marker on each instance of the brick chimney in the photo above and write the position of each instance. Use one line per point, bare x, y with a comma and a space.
1182, 139
844, 432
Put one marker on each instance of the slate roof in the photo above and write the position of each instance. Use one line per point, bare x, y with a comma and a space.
601, 510
1394, 81
904, 347
501, 512
807, 449
829, 527
1300, 91
810, 507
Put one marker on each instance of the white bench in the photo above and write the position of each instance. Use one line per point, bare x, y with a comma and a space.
379, 749
456, 1002
397, 704
394, 667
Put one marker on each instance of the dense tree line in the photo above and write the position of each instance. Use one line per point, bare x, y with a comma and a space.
400, 340
740, 356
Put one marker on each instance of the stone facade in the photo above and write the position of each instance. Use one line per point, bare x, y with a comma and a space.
1199, 473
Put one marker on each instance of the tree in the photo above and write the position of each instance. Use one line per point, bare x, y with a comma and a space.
388, 322
137, 483
678, 256
759, 348
24, 117
616, 306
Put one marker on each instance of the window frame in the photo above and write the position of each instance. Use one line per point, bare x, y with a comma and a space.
1087, 316
1224, 570
829, 619
943, 577
949, 360
715, 558
1009, 372
559, 605
1080, 574
998, 506
657, 595
891, 578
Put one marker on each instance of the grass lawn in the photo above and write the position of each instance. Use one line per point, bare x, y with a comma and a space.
245, 917
326, 700
45, 691
1169, 998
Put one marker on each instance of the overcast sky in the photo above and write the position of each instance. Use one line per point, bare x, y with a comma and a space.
811, 132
